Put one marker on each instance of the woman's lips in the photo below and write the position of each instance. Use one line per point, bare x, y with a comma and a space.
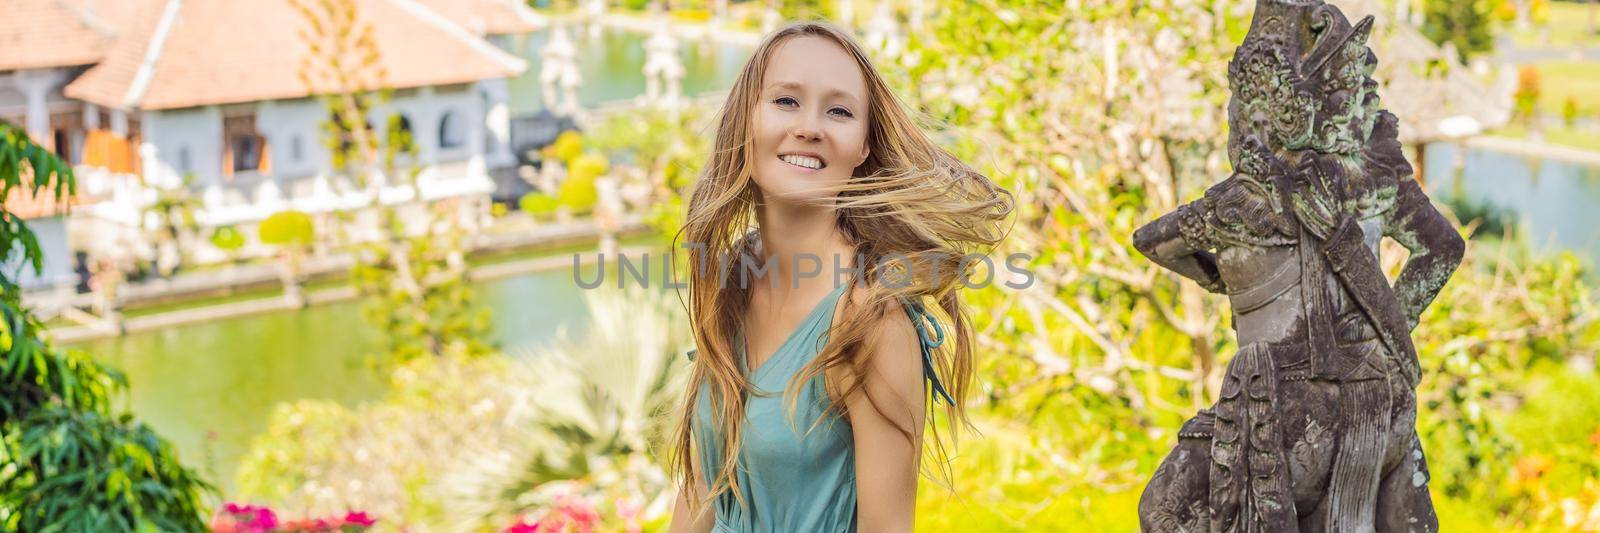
800, 168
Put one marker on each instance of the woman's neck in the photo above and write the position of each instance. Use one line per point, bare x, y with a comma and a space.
804, 242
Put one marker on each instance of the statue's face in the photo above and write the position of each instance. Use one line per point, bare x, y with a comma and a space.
1299, 89
1270, 101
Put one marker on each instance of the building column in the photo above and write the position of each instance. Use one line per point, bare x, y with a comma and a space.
91, 116
478, 144
35, 86
497, 122
119, 123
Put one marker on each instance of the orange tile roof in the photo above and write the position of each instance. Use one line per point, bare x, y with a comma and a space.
50, 33
185, 53
490, 17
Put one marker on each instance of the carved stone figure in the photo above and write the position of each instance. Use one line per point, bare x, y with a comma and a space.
1315, 425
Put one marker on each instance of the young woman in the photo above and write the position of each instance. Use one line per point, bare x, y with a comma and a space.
821, 223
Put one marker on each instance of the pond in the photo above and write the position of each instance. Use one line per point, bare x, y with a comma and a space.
1552, 202
210, 388
612, 64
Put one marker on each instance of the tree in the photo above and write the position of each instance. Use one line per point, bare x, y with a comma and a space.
414, 282
227, 239
1464, 23
68, 461
292, 232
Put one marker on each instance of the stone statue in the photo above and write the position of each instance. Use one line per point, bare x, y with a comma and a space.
558, 75
663, 70
1315, 425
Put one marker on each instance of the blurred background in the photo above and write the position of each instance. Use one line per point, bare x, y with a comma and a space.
303, 265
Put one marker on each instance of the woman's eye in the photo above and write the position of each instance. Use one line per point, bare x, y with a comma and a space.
785, 101
841, 112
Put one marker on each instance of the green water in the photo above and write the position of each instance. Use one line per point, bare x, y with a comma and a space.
211, 387
612, 65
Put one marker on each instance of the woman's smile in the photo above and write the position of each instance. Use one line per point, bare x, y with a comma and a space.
804, 162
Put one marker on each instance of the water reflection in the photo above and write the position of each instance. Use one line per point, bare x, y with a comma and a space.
1553, 202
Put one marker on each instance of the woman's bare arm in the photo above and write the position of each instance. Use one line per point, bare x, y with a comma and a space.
886, 460
681, 521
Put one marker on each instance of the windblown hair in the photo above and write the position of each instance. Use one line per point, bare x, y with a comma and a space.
910, 208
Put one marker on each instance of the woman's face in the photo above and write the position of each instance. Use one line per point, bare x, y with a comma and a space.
810, 121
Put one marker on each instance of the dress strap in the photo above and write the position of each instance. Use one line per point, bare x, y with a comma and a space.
929, 342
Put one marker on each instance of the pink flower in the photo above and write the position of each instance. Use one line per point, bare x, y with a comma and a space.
523, 527
264, 519
359, 518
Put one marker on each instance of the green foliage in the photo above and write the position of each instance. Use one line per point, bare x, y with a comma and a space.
578, 191
807, 9
1506, 10
465, 444
82, 470
67, 462
1464, 23
422, 304
343, 67
538, 204
668, 147
227, 238
588, 167
1109, 342
568, 146
413, 282
1488, 219
288, 229
1543, 312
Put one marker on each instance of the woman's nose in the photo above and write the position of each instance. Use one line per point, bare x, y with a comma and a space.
806, 130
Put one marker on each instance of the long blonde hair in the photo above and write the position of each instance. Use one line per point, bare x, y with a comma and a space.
910, 200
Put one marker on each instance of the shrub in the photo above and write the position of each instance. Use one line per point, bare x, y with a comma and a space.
538, 204
287, 228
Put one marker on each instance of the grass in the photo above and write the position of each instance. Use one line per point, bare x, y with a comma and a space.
1560, 80
1568, 25
1587, 140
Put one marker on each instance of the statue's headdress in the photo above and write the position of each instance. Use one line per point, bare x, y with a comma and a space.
1301, 80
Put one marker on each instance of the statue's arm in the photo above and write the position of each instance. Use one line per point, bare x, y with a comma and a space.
1163, 242
1436, 249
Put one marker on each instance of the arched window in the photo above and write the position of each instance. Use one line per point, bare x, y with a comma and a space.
452, 130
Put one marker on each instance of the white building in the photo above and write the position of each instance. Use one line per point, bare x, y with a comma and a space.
141, 94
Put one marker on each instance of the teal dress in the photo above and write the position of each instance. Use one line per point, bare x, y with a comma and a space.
791, 480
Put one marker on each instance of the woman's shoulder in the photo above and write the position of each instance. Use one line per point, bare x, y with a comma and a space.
895, 341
